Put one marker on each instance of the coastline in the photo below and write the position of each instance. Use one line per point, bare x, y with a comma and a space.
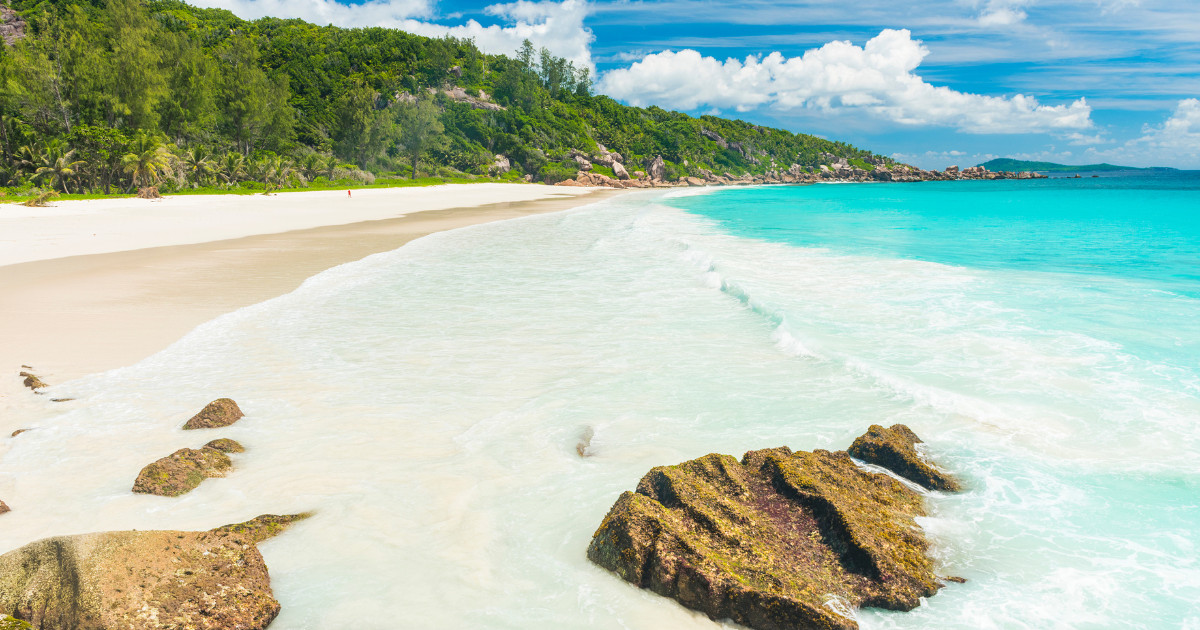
80, 312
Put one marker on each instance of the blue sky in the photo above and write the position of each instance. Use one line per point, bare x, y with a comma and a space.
932, 82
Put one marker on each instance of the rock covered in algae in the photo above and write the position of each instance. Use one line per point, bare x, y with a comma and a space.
181, 471
11, 623
225, 445
895, 449
211, 580
221, 412
780, 539
32, 381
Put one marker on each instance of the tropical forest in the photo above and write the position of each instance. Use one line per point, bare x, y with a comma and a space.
104, 97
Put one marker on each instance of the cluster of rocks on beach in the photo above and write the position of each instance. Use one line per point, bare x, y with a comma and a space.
777, 539
837, 169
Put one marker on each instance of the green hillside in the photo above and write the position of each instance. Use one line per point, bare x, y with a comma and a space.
1006, 164
114, 95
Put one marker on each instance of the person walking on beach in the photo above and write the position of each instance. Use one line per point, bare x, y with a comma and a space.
347, 193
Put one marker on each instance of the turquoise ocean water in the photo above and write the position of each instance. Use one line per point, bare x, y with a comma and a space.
1042, 336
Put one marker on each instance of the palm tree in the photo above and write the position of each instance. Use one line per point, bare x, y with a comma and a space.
147, 162
58, 165
198, 164
276, 172
233, 168
315, 165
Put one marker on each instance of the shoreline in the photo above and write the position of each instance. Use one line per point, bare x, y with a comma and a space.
74, 315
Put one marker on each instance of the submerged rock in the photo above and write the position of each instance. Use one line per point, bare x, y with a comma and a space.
777, 540
225, 445
221, 412
181, 471
141, 581
895, 449
262, 527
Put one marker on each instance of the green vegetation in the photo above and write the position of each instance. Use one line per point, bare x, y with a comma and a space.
113, 96
1006, 164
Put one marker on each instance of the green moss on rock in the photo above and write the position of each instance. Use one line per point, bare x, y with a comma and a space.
769, 541
895, 449
262, 527
181, 471
221, 412
225, 445
12, 623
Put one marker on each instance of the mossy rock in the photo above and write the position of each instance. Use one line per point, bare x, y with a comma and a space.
225, 445
771, 540
150, 580
32, 381
895, 449
221, 412
12, 623
181, 471
262, 527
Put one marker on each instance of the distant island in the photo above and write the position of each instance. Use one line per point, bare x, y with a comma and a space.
1007, 164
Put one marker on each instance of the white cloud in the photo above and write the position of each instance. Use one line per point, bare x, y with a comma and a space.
371, 13
877, 79
1175, 142
1001, 16
558, 26
1084, 139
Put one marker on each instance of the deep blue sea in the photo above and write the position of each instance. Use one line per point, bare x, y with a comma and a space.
1043, 337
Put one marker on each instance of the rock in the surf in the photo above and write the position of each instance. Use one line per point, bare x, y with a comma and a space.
32, 381
780, 539
4, 509
221, 412
181, 471
141, 580
225, 445
895, 449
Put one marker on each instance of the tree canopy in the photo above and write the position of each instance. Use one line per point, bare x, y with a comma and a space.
125, 93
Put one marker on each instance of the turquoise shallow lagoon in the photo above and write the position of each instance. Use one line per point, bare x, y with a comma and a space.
1041, 336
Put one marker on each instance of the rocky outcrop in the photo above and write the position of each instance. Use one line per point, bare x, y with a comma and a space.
896, 450
4, 509
656, 168
32, 381
143, 580
221, 412
780, 539
12, 27
715, 137
181, 471
619, 171
500, 165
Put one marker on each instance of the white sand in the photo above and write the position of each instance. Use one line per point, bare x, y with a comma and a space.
74, 228
88, 286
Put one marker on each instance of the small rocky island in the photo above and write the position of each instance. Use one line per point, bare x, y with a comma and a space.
780, 539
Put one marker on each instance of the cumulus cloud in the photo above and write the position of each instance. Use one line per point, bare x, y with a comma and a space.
557, 26
876, 78
1176, 141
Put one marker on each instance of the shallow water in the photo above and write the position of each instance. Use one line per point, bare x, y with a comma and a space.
427, 404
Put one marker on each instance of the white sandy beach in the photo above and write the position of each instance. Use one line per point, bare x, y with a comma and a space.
87, 286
